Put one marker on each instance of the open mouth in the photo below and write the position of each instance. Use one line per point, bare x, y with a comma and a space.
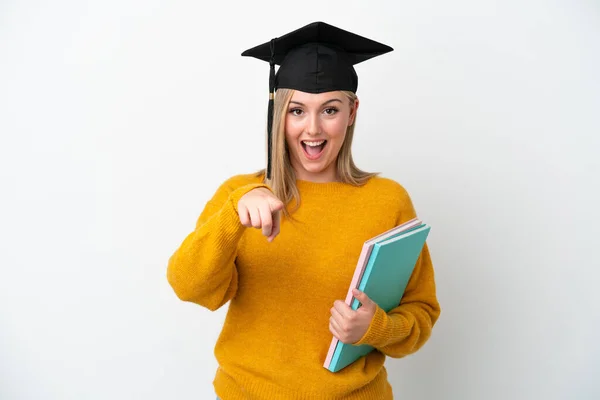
313, 148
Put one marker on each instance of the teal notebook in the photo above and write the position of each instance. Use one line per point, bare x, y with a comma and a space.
386, 276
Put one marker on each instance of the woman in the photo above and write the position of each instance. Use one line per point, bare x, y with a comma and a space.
282, 245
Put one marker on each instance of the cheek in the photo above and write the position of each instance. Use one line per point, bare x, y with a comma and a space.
336, 128
292, 129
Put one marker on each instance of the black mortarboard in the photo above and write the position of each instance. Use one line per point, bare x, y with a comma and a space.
316, 58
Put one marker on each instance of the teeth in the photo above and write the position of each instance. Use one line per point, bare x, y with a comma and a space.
313, 144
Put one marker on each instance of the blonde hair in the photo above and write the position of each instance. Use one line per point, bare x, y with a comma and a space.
283, 177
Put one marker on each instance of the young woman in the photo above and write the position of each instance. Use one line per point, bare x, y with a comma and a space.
281, 245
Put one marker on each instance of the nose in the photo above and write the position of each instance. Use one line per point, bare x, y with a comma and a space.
314, 125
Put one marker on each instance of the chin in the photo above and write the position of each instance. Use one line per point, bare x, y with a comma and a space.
315, 169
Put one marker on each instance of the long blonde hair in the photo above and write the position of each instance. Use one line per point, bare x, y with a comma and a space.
283, 177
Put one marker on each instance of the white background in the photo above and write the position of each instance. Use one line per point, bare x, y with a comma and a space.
119, 119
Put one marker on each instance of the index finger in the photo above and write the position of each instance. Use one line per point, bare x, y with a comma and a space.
266, 219
343, 308
276, 225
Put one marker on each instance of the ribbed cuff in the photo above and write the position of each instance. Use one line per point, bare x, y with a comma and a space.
231, 229
238, 193
383, 330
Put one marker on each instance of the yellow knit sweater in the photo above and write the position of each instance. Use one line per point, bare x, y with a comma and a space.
276, 333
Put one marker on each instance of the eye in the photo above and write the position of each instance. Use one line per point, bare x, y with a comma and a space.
296, 111
331, 110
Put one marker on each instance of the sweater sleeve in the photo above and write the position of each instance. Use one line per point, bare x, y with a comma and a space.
406, 328
202, 270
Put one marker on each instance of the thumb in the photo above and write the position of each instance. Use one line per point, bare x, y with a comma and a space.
363, 298
275, 204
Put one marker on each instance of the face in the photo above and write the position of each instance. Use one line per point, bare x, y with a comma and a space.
315, 129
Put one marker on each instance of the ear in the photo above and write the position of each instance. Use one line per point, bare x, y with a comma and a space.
353, 111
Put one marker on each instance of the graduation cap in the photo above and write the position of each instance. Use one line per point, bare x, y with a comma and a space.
316, 58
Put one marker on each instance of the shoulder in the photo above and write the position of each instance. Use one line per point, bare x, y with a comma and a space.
392, 196
387, 188
237, 181
236, 184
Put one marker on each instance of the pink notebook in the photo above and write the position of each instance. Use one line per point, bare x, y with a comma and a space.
360, 268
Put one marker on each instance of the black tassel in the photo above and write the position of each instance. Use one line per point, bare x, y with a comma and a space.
270, 109
269, 137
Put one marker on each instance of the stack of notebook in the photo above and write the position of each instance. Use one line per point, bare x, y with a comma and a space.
384, 268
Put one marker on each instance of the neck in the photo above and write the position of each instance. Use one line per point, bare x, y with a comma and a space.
329, 175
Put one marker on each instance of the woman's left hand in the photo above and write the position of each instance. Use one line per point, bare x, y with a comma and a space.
348, 325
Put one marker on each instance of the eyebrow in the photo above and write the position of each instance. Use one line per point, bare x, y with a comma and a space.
327, 102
